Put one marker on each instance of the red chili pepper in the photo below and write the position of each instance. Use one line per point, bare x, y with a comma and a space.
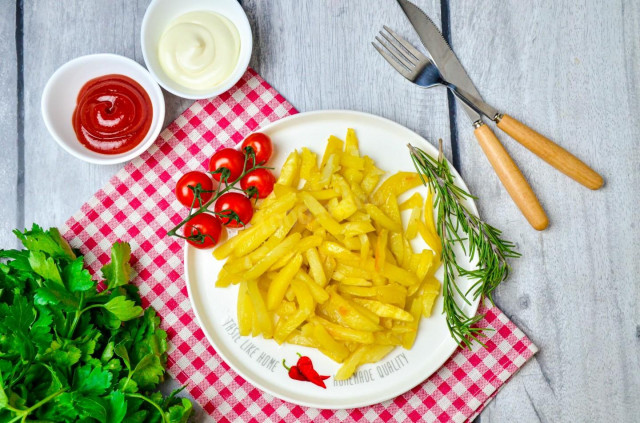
294, 372
306, 368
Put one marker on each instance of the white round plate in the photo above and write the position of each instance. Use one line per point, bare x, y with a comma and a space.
259, 360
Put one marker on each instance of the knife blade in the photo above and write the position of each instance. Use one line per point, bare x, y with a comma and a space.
442, 54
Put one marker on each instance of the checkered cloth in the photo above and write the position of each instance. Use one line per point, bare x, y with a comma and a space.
138, 206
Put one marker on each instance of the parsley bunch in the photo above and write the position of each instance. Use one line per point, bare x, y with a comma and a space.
70, 353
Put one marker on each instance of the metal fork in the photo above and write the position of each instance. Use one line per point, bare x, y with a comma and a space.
420, 70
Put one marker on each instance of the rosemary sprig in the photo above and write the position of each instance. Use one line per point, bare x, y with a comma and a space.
457, 225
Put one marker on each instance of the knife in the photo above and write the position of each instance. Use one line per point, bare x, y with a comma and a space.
508, 172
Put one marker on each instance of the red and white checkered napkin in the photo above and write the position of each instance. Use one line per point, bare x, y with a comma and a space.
138, 206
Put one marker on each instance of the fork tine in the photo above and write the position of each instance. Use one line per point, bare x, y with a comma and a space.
407, 45
392, 61
397, 51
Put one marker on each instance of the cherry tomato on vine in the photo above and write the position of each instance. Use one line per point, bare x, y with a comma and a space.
206, 228
261, 145
230, 159
261, 180
232, 205
185, 195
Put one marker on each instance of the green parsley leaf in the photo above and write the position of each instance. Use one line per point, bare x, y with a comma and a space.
4, 400
77, 277
118, 272
91, 407
41, 332
45, 266
149, 371
117, 407
51, 293
121, 351
50, 242
180, 413
123, 308
91, 380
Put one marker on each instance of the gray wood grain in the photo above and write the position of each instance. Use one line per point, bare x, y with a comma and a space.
8, 124
570, 70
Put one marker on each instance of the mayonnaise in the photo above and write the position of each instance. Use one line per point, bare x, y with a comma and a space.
199, 50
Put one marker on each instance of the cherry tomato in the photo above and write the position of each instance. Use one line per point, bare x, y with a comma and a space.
204, 226
185, 195
234, 202
261, 144
230, 159
261, 180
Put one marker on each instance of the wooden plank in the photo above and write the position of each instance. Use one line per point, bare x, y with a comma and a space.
570, 70
319, 56
8, 125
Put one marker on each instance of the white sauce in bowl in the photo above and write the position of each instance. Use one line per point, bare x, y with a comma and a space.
199, 50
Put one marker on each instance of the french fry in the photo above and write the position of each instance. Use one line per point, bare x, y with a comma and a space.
351, 143
280, 283
382, 219
375, 353
286, 326
358, 291
290, 172
245, 310
330, 167
298, 338
349, 366
428, 212
317, 292
265, 322
412, 226
342, 311
329, 346
371, 176
342, 333
385, 310
395, 185
308, 164
430, 238
285, 308
324, 194
414, 201
272, 256
415, 309
355, 282
334, 145
381, 250
315, 266
303, 296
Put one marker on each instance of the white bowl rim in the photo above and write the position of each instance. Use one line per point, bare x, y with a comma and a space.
106, 159
234, 77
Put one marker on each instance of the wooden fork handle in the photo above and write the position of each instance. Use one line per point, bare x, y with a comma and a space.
551, 152
511, 177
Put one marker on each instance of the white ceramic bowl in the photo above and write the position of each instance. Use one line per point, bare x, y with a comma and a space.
61, 93
161, 13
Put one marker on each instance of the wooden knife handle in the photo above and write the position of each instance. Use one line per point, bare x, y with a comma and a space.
551, 152
511, 177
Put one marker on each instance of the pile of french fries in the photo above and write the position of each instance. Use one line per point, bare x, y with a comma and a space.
326, 262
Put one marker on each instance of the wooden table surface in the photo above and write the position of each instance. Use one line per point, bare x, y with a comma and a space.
569, 69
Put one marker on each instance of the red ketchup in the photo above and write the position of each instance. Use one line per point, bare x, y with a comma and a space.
113, 114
